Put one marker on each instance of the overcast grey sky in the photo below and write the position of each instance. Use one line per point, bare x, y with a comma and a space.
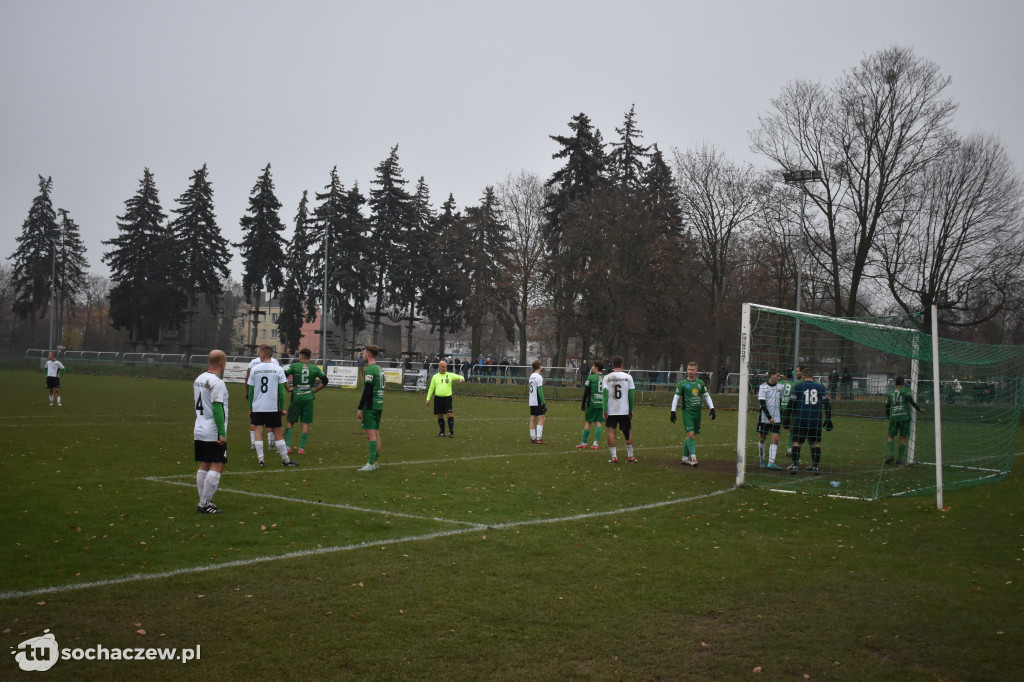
94, 92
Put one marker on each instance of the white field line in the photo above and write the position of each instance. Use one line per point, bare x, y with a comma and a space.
323, 504
414, 462
138, 577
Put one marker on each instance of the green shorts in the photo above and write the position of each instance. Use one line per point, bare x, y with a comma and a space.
594, 414
691, 421
300, 410
900, 428
371, 419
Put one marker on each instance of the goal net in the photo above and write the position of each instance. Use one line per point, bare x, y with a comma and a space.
970, 397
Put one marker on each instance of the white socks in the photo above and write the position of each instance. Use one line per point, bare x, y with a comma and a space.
540, 431
210, 487
201, 483
282, 450
772, 451
259, 449
629, 451
533, 434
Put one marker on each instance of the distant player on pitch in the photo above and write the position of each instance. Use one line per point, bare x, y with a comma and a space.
617, 388
538, 407
266, 404
897, 409
303, 378
210, 433
248, 371
689, 392
769, 395
371, 407
592, 405
441, 389
53, 369
808, 404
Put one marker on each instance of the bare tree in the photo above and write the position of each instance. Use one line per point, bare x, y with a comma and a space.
870, 135
521, 199
958, 241
721, 202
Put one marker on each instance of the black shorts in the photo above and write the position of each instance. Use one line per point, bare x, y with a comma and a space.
442, 405
211, 452
620, 421
52, 382
810, 433
765, 427
271, 420
538, 410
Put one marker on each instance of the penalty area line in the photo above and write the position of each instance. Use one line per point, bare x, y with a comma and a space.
192, 570
318, 503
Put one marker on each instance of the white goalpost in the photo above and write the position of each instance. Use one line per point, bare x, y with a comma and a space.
859, 459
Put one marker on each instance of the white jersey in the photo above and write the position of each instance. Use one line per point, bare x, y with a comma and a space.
264, 380
772, 397
535, 382
256, 361
53, 368
208, 389
618, 384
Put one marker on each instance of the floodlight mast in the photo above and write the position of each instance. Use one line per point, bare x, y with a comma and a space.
801, 178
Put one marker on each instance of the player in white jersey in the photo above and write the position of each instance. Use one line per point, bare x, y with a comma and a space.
618, 387
252, 429
769, 396
210, 433
54, 369
538, 406
266, 403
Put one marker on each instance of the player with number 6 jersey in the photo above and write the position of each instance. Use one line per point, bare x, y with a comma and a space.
617, 388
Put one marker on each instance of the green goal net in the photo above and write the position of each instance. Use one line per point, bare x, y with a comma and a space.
965, 433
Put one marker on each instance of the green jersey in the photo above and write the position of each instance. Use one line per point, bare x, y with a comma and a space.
691, 392
596, 392
787, 389
898, 402
304, 377
373, 377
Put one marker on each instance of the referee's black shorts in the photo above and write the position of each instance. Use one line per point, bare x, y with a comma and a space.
442, 405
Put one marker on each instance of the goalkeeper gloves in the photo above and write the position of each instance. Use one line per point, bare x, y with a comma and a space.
712, 413
583, 407
828, 424
672, 416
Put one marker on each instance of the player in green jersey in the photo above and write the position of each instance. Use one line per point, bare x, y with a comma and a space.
302, 383
689, 391
787, 383
592, 405
897, 408
371, 404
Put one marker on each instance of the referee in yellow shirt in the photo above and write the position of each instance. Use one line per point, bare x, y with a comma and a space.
441, 387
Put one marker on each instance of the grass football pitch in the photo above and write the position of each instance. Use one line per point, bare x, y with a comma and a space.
480, 557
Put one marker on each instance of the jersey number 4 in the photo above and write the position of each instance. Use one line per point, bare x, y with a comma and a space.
199, 405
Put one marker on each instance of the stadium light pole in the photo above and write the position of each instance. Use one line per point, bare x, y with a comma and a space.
323, 312
801, 178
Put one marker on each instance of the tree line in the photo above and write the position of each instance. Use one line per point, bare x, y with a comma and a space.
622, 250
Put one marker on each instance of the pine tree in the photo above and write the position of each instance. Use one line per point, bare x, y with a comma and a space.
71, 264
202, 253
583, 175
626, 161
35, 256
447, 285
262, 247
297, 304
391, 216
412, 264
485, 266
144, 299
341, 243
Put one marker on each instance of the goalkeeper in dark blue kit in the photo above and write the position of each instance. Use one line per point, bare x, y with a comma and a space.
808, 404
